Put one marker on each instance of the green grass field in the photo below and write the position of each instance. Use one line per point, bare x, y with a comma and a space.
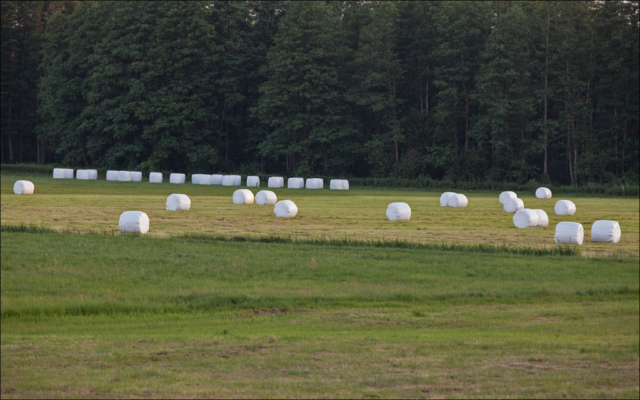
175, 315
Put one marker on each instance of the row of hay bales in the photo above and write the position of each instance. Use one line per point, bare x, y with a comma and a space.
202, 179
566, 232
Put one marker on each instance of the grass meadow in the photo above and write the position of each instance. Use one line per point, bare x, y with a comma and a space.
228, 301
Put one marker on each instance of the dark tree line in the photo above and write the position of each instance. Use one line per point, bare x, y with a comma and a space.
473, 91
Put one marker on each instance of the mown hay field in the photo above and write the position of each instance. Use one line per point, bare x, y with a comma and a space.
357, 214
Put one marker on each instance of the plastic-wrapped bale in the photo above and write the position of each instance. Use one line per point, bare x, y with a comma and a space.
266, 197
275, 182
177, 178
195, 179
227, 180
543, 193
569, 233
155, 177
82, 174
525, 218
216, 179
457, 200
68, 173
178, 202
242, 196
314, 183
513, 204
205, 179
398, 212
543, 218
339, 184
93, 174
295, 183
605, 231
253, 181
285, 209
124, 176
112, 175
565, 207
444, 198
237, 180
134, 221
58, 173
504, 196
136, 176
27, 187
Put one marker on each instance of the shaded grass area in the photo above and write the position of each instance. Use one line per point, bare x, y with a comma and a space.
324, 215
136, 316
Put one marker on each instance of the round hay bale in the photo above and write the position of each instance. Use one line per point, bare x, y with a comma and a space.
195, 179
605, 231
457, 200
82, 174
266, 197
93, 174
155, 177
285, 209
513, 204
177, 178
543, 218
565, 207
275, 182
58, 173
525, 218
134, 221
23, 187
507, 195
314, 183
68, 173
178, 202
205, 179
398, 212
112, 175
136, 176
569, 233
243, 196
444, 198
216, 179
295, 183
253, 181
124, 176
543, 193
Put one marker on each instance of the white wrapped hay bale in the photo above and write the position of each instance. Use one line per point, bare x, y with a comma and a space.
444, 198
605, 231
93, 174
205, 179
295, 183
398, 212
513, 204
504, 196
565, 207
285, 209
82, 174
177, 178
525, 218
243, 196
178, 202
543, 193
58, 173
227, 180
195, 179
314, 183
134, 221
543, 218
136, 176
266, 197
216, 179
457, 200
569, 233
68, 173
339, 184
112, 175
155, 177
23, 187
253, 181
275, 182
124, 176
237, 180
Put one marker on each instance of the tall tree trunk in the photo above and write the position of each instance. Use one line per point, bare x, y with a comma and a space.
569, 150
546, 96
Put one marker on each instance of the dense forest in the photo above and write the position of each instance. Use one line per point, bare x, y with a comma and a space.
466, 91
